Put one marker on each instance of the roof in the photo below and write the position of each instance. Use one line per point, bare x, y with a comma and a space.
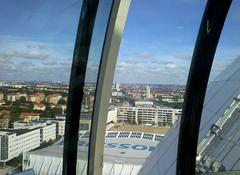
53, 95
36, 94
155, 130
17, 131
40, 105
119, 146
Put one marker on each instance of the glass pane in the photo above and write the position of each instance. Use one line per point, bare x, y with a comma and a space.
37, 39
149, 86
94, 59
218, 148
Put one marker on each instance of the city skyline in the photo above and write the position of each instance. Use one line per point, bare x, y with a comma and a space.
160, 52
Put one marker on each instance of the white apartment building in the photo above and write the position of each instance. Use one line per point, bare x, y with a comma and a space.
48, 132
158, 115
60, 124
60, 127
25, 137
16, 96
14, 142
112, 114
48, 129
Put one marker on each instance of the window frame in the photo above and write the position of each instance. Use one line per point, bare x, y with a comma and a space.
208, 36
76, 84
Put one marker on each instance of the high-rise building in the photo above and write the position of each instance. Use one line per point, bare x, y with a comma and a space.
117, 86
148, 92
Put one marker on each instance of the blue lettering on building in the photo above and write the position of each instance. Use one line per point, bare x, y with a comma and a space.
124, 146
139, 147
129, 146
111, 145
120, 146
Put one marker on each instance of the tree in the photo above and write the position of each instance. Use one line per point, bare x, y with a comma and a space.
14, 113
57, 110
15, 162
48, 113
22, 100
62, 101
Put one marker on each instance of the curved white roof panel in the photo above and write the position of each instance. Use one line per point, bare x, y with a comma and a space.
124, 152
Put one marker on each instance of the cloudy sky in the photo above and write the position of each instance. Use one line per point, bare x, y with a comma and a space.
37, 40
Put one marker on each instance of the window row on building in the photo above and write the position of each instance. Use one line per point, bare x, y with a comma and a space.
158, 116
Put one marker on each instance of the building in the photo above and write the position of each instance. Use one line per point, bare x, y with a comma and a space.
24, 137
117, 86
39, 107
25, 116
53, 99
112, 115
36, 97
60, 124
14, 142
1, 96
29, 124
143, 103
159, 115
48, 132
148, 92
60, 127
16, 96
135, 146
48, 129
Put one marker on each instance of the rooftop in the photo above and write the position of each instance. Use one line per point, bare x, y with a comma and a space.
53, 95
136, 128
9, 131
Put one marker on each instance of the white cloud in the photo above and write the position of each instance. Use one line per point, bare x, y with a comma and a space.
171, 65
23, 59
180, 27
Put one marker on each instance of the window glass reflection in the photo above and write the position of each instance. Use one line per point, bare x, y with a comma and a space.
95, 53
36, 47
218, 149
149, 87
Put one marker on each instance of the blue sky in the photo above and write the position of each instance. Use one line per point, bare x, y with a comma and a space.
37, 40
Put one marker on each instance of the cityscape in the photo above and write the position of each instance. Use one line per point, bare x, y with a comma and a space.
32, 114
141, 55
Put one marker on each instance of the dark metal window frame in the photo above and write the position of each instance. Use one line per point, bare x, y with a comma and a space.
76, 85
208, 36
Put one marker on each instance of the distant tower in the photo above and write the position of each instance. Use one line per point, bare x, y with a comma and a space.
148, 92
117, 86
